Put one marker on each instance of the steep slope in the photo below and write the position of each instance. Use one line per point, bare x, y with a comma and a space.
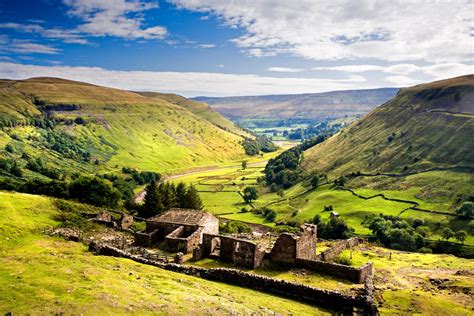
425, 126
315, 106
74, 124
200, 109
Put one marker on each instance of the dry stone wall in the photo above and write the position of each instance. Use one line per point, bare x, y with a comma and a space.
331, 253
340, 302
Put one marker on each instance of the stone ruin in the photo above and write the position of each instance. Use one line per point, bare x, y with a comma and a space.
106, 219
180, 230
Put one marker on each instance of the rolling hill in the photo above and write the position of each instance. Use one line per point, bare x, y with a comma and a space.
425, 126
315, 106
84, 127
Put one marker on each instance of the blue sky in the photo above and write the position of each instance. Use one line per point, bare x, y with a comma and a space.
225, 47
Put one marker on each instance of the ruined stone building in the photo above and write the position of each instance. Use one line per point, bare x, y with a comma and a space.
290, 247
180, 230
241, 252
287, 249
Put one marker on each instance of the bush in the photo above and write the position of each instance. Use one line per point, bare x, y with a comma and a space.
466, 210
425, 250
234, 227
343, 259
271, 216
95, 191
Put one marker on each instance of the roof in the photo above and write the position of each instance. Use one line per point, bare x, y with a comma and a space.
183, 216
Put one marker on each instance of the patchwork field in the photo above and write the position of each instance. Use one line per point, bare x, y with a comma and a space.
219, 190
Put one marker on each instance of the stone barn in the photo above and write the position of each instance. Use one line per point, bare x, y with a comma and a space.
290, 247
180, 230
241, 252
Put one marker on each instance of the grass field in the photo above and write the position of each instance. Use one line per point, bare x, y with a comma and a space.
46, 275
219, 190
406, 286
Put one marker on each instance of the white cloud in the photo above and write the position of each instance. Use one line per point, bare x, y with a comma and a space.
285, 69
205, 46
402, 81
25, 47
396, 30
120, 18
67, 36
186, 83
436, 71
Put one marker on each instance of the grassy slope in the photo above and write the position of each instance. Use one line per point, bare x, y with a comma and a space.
125, 129
45, 275
424, 137
200, 109
433, 125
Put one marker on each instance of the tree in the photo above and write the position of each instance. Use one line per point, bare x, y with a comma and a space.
250, 194
280, 193
181, 195
167, 194
152, 204
192, 199
466, 210
460, 236
244, 164
271, 216
314, 180
447, 233
95, 191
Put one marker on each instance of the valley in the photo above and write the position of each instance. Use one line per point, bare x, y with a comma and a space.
374, 181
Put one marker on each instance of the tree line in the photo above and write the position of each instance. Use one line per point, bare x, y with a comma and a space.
160, 197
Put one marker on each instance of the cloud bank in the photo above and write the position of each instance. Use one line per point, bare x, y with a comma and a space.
186, 83
396, 30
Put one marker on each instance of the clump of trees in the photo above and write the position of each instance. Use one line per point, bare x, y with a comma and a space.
233, 227
250, 194
261, 143
267, 213
142, 177
335, 228
396, 233
284, 170
163, 196
466, 210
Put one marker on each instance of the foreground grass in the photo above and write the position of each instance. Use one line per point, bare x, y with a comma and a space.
46, 275
404, 281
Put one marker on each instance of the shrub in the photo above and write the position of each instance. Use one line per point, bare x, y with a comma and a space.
271, 216
343, 259
234, 227
425, 250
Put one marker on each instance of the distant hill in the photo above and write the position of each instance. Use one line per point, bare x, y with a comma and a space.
315, 106
84, 127
425, 126
198, 108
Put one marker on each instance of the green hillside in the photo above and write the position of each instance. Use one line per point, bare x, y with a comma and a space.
83, 127
425, 126
44, 275
200, 109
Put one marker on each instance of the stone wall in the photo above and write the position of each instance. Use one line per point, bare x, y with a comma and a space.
289, 247
356, 275
331, 253
183, 240
238, 251
306, 242
146, 239
337, 301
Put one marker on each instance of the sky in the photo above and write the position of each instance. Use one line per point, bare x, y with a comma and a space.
244, 47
